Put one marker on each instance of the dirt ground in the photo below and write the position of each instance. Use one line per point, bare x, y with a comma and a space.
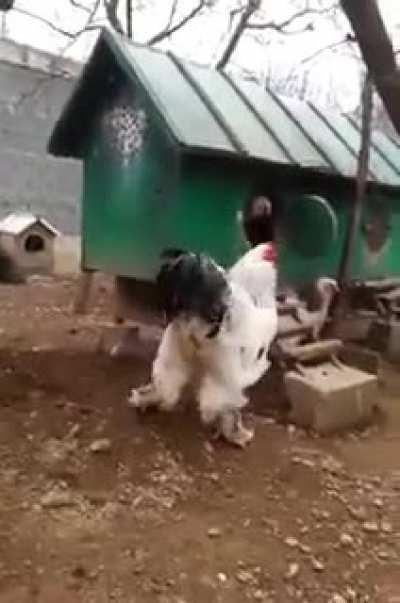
98, 504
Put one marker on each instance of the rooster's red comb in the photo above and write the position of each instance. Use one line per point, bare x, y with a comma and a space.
269, 252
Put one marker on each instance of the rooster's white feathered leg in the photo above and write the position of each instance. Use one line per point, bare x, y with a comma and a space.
220, 406
171, 372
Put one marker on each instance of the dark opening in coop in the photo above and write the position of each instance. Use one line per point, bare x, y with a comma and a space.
258, 220
34, 243
6, 5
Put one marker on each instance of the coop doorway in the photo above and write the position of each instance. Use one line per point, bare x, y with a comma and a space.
34, 243
258, 220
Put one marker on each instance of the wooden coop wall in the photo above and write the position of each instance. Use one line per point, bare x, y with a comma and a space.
130, 172
140, 195
305, 250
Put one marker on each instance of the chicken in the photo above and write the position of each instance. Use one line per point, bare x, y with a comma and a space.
221, 324
326, 289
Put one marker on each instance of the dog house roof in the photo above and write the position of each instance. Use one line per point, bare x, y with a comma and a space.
17, 223
209, 111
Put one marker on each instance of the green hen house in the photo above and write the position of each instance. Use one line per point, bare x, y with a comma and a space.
172, 151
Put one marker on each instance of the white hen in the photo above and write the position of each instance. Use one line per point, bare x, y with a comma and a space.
232, 354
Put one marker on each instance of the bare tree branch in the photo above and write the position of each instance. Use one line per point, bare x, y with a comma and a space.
377, 52
111, 8
72, 35
167, 32
346, 40
56, 70
52, 26
172, 14
281, 27
251, 7
76, 4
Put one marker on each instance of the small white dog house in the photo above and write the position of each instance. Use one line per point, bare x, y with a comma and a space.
28, 243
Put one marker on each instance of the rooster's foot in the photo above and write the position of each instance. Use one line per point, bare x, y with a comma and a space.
233, 431
144, 397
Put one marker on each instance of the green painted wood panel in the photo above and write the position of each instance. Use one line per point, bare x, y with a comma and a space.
125, 207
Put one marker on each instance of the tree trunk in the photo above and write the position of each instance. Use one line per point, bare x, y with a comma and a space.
377, 51
361, 184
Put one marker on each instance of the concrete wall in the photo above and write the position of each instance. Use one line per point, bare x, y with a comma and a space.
33, 88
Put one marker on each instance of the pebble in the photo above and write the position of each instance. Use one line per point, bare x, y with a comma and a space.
346, 540
74, 431
222, 577
214, 533
370, 527
386, 527
292, 542
209, 448
293, 571
259, 595
305, 549
55, 500
102, 445
336, 598
317, 565
244, 577
359, 513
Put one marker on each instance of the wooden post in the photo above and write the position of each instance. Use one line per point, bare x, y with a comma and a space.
84, 290
129, 29
361, 185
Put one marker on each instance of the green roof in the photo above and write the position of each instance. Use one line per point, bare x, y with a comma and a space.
208, 111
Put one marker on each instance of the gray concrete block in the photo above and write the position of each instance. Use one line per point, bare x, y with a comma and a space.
361, 357
328, 398
384, 337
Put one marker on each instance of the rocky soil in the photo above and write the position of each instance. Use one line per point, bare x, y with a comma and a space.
98, 504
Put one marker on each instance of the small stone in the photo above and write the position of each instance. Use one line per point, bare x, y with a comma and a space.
102, 445
378, 502
209, 448
223, 578
346, 540
259, 595
351, 593
293, 571
386, 527
371, 527
305, 549
359, 513
336, 598
56, 500
317, 565
214, 533
244, 577
74, 431
292, 542
331, 465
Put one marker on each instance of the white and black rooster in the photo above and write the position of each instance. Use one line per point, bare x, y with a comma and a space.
220, 323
